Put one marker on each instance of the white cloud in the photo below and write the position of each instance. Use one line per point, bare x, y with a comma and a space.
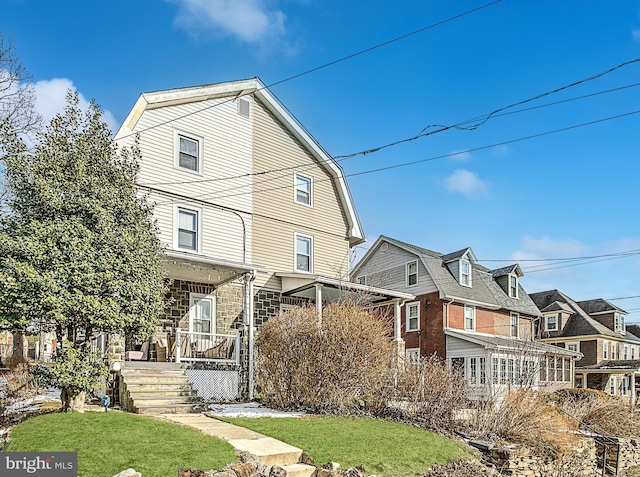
461, 156
248, 20
466, 183
51, 99
545, 247
635, 34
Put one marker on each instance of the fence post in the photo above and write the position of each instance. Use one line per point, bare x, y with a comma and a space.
178, 352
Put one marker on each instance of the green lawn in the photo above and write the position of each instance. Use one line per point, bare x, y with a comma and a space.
108, 443
381, 447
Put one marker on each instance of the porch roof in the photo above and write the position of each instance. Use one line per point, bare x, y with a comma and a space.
505, 343
303, 285
205, 269
612, 366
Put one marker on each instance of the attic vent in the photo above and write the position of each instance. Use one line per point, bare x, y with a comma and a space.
244, 107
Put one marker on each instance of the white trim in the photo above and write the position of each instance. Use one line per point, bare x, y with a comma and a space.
467, 262
517, 316
176, 225
546, 322
406, 273
576, 344
406, 315
515, 277
177, 133
412, 355
361, 280
295, 188
295, 252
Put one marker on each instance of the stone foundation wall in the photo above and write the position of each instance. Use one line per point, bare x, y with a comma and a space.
628, 457
519, 461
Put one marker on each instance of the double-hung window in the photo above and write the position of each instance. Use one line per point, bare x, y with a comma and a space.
412, 273
605, 350
187, 233
551, 323
465, 273
303, 192
413, 316
188, 152
514, 325
304, 253
469, 318
513, 286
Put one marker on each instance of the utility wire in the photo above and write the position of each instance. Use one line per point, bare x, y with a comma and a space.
317, 68
420, 161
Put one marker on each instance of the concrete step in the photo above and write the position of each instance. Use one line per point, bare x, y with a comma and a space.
300, 470
144, 401
152, 372
164, 409
142, 387
135, 394
269, 450
153, 379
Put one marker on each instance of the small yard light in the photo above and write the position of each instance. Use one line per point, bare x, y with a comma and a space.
104, 402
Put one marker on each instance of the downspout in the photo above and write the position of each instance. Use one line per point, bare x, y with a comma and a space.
250, 277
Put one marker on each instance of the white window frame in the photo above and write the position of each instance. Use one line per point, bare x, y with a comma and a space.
408, 307
625, 351
513, 292
614, 349
361, 280
176, 227
605, 350
472, 318
618, 323
574, 346
295, 252
546, 323
412, 355
177, 134
195, 297
309, 180
517, 325
407, 274
468, 282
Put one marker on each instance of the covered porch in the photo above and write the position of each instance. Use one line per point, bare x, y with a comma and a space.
616, 377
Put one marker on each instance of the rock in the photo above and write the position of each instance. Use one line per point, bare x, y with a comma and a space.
128, 473
277, 471
249, 458
352, 473
243, 469
220, 473
306, 459
190, 473
330, 469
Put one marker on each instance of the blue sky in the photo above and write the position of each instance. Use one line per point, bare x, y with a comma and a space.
559, 195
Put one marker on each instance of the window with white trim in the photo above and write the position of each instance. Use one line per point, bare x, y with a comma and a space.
633, 352
304, 253
413, 316
513, 286
412, 273
465, 273
187, 236
201, 314
626, 352
188, 152
605, 350
361, 280
573, 347
551, 323
469, 317
303, 189
514, 324
412, 355
618, 323
612, 385
614, 350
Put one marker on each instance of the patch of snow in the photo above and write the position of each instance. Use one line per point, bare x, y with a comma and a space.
250, 409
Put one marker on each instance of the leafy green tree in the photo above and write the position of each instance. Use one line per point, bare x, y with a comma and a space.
79, 252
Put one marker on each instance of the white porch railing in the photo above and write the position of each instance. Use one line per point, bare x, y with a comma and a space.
207, 347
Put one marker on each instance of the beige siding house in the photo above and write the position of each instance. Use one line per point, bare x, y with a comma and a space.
254, 215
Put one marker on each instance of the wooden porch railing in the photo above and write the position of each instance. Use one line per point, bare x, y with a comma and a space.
206, 347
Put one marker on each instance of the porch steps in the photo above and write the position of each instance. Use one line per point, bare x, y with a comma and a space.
157, 390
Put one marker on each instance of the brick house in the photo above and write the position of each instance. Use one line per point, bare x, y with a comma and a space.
479, 319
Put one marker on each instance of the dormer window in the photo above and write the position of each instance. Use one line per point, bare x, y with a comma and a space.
412, 273
513, 286
465, 273
618, 323
551, 323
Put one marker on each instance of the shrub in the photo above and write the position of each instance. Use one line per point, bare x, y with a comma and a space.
339, 364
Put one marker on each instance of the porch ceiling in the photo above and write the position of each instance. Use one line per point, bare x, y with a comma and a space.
203, 269
303, 285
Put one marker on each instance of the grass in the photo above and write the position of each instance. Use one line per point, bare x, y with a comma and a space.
383, 448
108, 443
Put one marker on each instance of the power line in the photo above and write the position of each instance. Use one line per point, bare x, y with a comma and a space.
317, 68
212, 195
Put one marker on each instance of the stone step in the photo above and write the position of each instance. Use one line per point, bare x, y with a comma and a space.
175, 409
144, 401
152, 379
300, 470
139, 393
137, 387
152, 372
270, 451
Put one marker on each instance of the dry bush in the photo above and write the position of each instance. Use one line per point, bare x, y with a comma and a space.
527, 417
430, 393
21, 384
609, 415
336, 365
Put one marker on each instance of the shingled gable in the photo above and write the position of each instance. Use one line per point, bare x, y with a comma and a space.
508, 270
599, 305
234, 90
485, 291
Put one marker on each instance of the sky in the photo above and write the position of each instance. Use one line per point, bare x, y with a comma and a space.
554, 177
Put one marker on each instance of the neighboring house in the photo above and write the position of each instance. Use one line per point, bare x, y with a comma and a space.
596, 328
254, 215
479, 319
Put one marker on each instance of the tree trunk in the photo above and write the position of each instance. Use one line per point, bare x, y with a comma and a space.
20, 349
72, 400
